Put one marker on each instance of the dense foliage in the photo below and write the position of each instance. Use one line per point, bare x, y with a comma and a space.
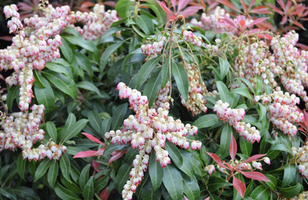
146, 102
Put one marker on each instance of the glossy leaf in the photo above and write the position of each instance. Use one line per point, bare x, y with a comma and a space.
37, 79
145, 70
88, 191
191, 188
260, 192
100, 184
224, 67
187, 166
288, 175
181, 79
152, 87
66, 51
110, 31
122, 176
53, 174
172, 180
92, 138
149, 193
80, 41
160, 13
155, 172
239, 186
65, 166
118, 116
41, 169
255, 176
225, 140
273, 181
165, 73
254, 157
21, 166
8, 193
124, 8
84, 62
12, 94
73, 130
95, 120
216, 159
233, 147
64, 193
145, 23
242, 91
116, 155
206, 121
84, 176
25, 193
245, 146
292, 191
223, 92
174, 153
85, 154
58, 68
216, 183
52, 131
88, 86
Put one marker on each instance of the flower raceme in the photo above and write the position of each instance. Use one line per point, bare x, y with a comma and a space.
149, 129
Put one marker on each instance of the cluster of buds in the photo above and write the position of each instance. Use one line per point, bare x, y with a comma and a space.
51, 150
293, 62
283, 112
149, 129
14, 23
151, 50
22, 129
301, 155
196, 91
162, 99
96, 23
211, 22
190, 37
234, 117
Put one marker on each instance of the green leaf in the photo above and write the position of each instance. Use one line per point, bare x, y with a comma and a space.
58, 68
66, 51
13, 93
110, 31
145, 70
122, 176
247, 84
124, 7
64, 193
100, 184
25, 193
84, 62
216, 183
152, 87
245, 146
88, 86
173, 182
290, 192
88, 191
181, 79
225, 139
165, 73
288, 175
52, 131
95, 121
145, 23
8, 193
261, 112
242, 91
206, 121
141, 34
259, 85
118, 116
260, 192
62, 82
155, 172
73, 130
53, 174
187, 166
21, 166
224, 67
112, 147
273, 181
223, 92
148, 193
65, 166
37, 79
41, 169
281, 147
174, 153
191, 187
80, 41
71, 31
106, 55
159, 12
84, 176
105, 125
45, 96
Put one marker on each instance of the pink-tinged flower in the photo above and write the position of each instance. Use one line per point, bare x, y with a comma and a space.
191, 10
267, 160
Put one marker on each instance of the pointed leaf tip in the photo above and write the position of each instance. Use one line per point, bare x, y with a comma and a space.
233, 147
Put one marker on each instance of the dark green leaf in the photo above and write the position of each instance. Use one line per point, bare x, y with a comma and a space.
52, 131
174, 153
65, 166
13, 93
37, 79
148, 193
181, 79
8, 193
21, 166
261, 111
145, 23
58, 68
64, 193
88, 86
246, 147
290, 192
84, 62
66, 51
155, 172
88, 191
124, 8
223, 92
45, 96
160, 13
191, 188
145, 70
118, 116
95, 121
105, 126
109, 32
242, 91
79, 41
281, 147
100, 184
260, 192
172, 180
225, 139
288, 175
224, 67
216, 183
25, 193
41, 169
187, 166
206, 121
273, 181
165, 73
53, 174
152, 87
84, 176
73, 130
122, 176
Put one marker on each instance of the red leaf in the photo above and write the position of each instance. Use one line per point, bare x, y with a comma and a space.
94, 139
166, 9
207, 198
95, 165
275, 9
304, 47
244, 6
228, 22
87, 4
100, 151
105, 194
233, 147
84, 154
7, 38
191, 10
261, 10
110, 3
229, 4
257, 21
182, 4
116, 155
281, 3
185, 198
217, 159
254, 157
173, 4
239, 186
256, 176
299, 25
252, 2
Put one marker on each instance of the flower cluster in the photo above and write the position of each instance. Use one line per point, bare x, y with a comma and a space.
22, 129
51, 150
190, 37
211, 22
149, 129
14, 24
162, 99
196, 91
234, 116
283, 112
96, 23
302, 157
151, 50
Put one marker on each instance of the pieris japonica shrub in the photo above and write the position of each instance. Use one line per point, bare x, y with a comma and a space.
144, 102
